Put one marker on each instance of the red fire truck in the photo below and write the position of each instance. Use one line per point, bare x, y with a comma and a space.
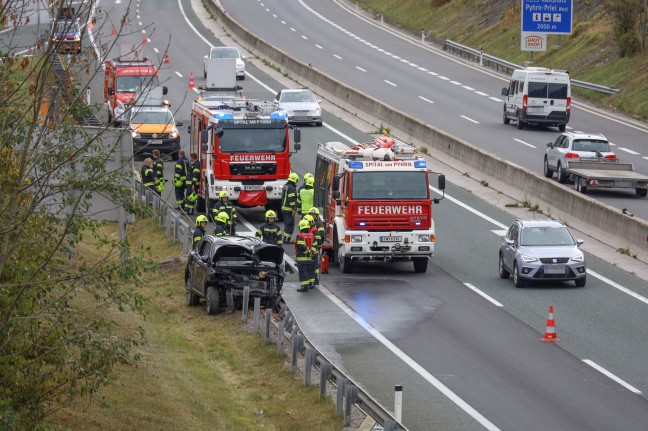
244, 149
126, 77
376, 201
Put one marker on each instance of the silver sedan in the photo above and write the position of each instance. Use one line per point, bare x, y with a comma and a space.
301, 104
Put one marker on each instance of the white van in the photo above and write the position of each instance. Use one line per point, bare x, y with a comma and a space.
537, 95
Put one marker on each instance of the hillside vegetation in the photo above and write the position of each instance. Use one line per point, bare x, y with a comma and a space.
606, 47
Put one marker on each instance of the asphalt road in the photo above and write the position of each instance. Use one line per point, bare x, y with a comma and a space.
429, 84
484, 351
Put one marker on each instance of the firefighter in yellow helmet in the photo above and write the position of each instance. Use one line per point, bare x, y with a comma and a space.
200, 231
306, 195
317, 244
289, 206
304, 250
321, 231
269, 232
223, 204
222, 226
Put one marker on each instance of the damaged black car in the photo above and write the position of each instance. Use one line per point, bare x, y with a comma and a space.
222, 265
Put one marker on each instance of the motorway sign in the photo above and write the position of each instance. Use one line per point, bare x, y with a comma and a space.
547, 16
533, 41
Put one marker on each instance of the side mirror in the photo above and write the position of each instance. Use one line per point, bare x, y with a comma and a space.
579, 242
509, 241
165, 90
297, 147
504, 91
550, 144
204, 137
441, 182
297, 135
204, 147
179, 124
336, 185
219, 132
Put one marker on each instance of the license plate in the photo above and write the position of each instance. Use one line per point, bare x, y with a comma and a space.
391, 238
155, 141
554, 269
622, 184
253, 188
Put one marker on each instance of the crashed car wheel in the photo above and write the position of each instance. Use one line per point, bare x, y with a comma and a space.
212, 300
191, 299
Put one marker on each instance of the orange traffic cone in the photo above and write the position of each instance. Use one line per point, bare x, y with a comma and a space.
550, 334
191, 81
144, 41
113, 31
166, 58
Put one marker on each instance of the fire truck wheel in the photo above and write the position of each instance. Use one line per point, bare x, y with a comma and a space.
346, 265
420, 264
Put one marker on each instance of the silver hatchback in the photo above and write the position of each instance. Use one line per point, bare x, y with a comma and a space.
541, 250
572, 146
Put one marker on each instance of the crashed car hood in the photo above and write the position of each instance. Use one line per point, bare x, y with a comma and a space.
262, 252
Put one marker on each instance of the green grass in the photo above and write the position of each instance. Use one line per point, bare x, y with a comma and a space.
590, 54
197, 372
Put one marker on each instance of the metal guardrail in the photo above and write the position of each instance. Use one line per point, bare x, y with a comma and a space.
498, 64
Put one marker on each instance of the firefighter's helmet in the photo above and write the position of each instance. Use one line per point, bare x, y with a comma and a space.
310, 181
314, 210
270, 214
308, 175
222, 217
223, 194
200, 219
293, 177
303, 224
193, 197
309, 218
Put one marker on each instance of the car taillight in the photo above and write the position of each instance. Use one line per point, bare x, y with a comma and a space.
568, 103
571, 156
525, 102
611, 156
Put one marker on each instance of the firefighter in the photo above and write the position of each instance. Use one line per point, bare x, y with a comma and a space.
305, 196
317, 245
222, 224
193, 183
269, 232
304, 255
180, 178
289, 206
307, 175
314, 212
148, 174
200, 231
223, 204
158, 168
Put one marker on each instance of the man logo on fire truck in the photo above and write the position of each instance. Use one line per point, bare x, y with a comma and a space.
377, 204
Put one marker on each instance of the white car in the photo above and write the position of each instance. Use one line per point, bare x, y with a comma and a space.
570, 146
301, 104
227, 52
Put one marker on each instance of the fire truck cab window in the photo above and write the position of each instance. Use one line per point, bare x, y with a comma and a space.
389, 185
253, 141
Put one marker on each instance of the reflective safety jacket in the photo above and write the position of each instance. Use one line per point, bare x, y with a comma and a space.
181, 170
221, 229
305, 199
226, 207
148, 176
317, 239
321, 230
193, 175
198, 234
270, 233
304, 249
288, 197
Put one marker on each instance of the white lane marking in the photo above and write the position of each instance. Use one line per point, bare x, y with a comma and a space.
471, 209
337, 56
339, 133
179, 74
409, 361
274, 15
500, 232
469, 119
140, 23
292, 29
444, 78
304, 37
468, 88
319, 46
496, 99
283, 22
612, 376
525, 143
481, 93
645, 158
267, 10
455, 82
479, 292
391, 83
422, 69
628, 150
413, 65
433, 73
156, 50
427, 100
360, 69
618, 286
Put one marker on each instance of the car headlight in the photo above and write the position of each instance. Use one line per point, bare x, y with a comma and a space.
578, 258
135, 134
356, 238
528, 259
423, 238
77, 39
317, 111
173, 134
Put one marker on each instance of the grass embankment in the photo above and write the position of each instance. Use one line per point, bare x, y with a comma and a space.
590, 54
197, 372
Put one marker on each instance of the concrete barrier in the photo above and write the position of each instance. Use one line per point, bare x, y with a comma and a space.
580, 210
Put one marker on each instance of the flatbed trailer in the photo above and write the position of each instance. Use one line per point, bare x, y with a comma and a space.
597, 175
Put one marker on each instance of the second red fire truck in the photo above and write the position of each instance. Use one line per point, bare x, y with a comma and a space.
244, 147
376, 201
